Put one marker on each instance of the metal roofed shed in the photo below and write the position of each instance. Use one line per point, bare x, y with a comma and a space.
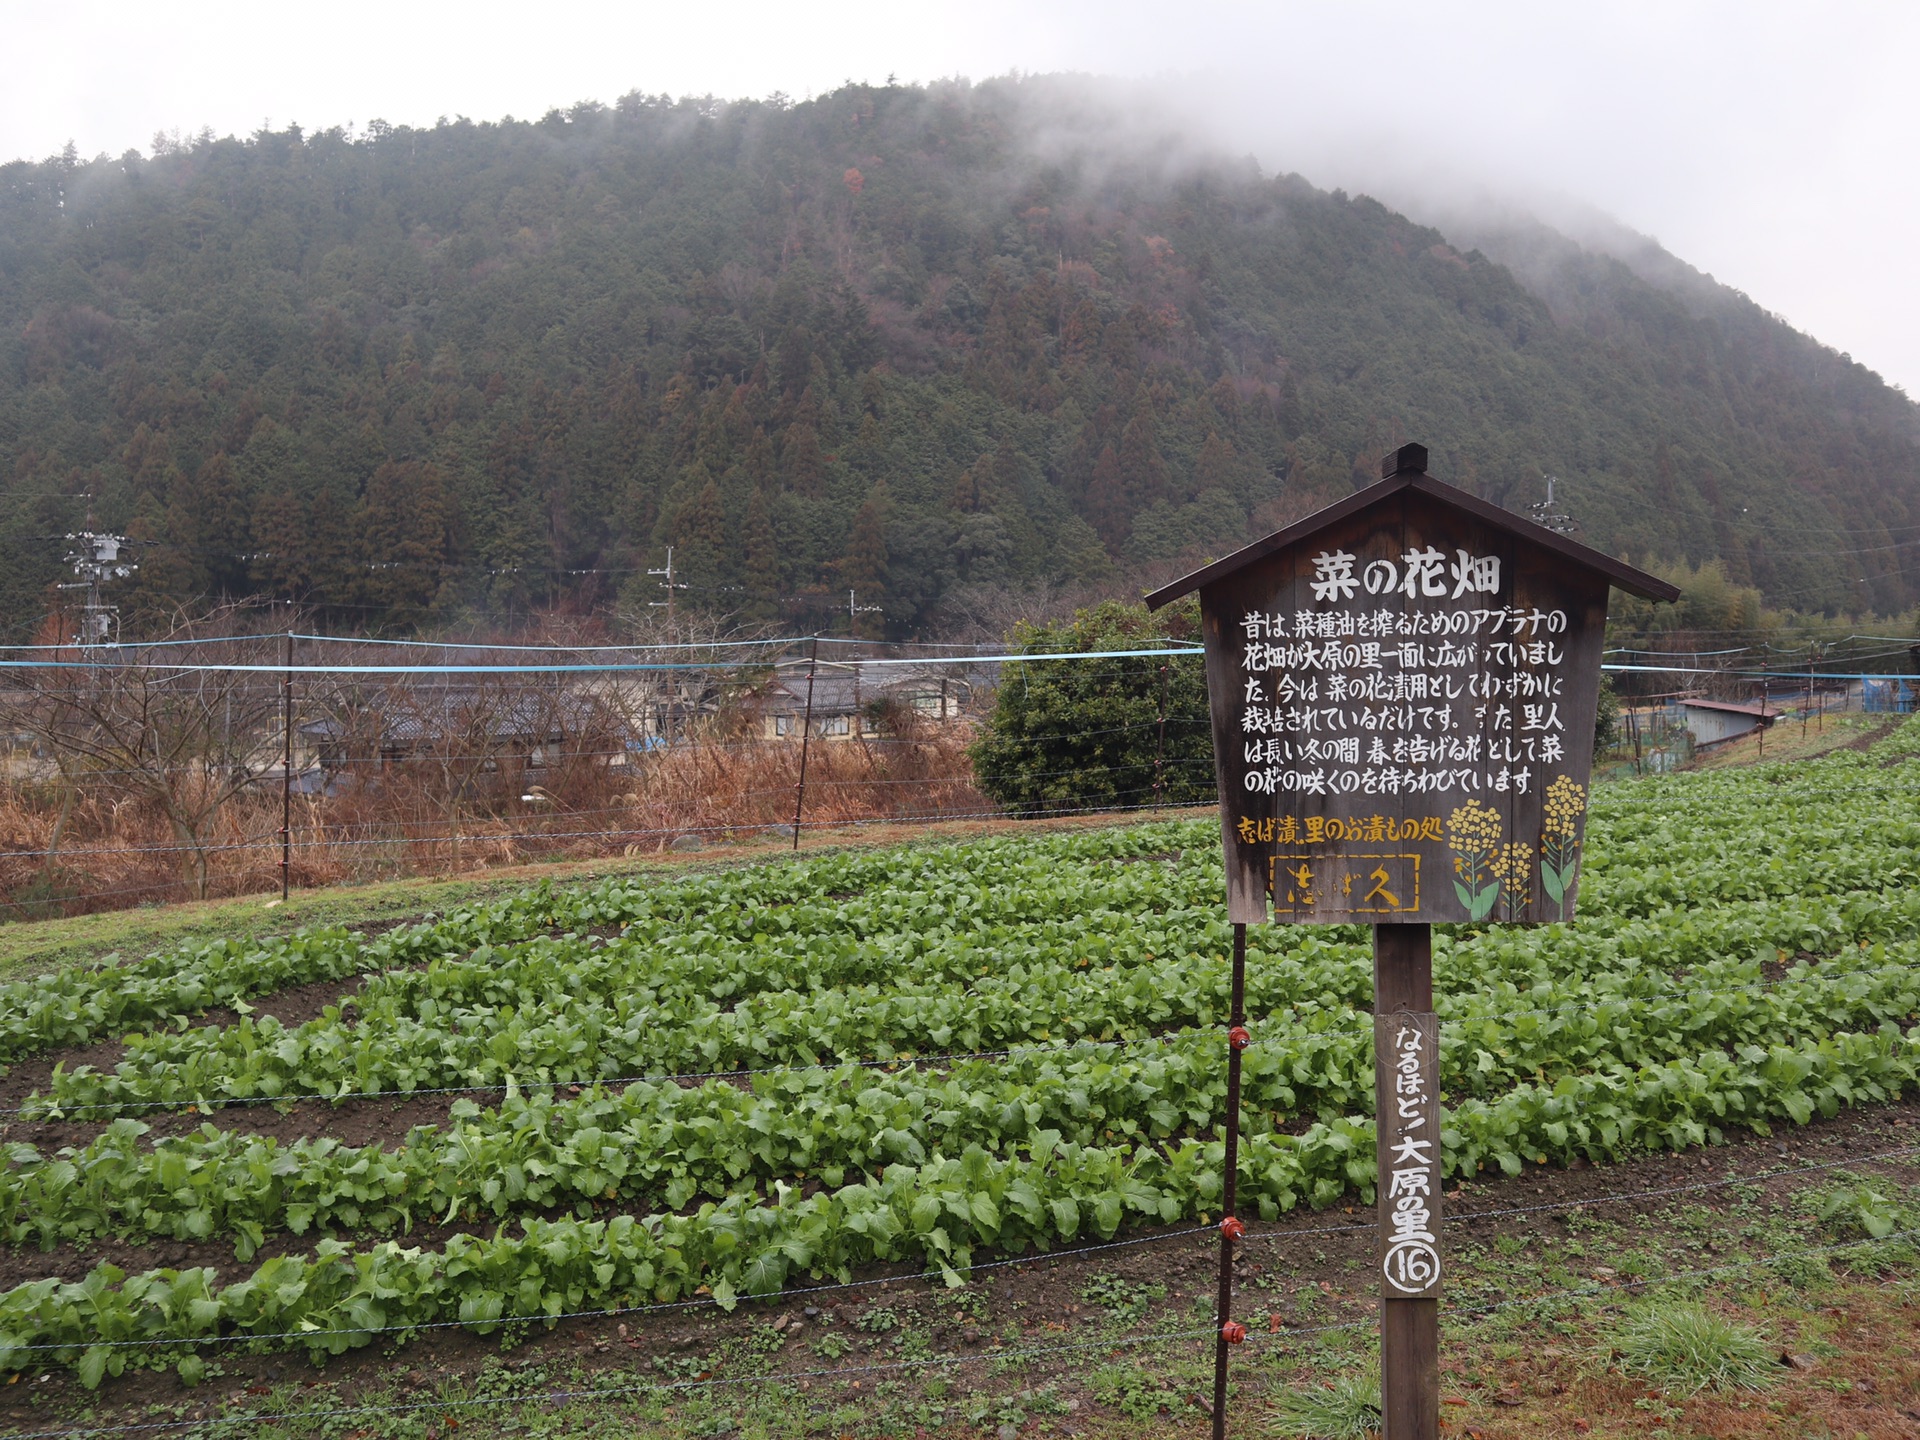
1714, 722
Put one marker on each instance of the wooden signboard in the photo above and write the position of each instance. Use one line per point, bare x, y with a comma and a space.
1403, 690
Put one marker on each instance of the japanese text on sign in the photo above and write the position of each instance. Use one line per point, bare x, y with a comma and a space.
1331, 829
1409, 1156
1420, 698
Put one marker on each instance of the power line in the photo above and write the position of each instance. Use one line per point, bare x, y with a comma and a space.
231, 667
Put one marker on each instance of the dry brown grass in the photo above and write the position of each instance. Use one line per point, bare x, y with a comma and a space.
1863, 1385
116, 850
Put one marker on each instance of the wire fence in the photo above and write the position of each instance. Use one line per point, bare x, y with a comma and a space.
319, 849
1071, 1253
418, 831
998, 1356
200, 765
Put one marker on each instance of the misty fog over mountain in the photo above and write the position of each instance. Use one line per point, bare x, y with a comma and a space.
910, 341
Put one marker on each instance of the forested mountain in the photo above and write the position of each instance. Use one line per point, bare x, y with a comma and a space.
895, 340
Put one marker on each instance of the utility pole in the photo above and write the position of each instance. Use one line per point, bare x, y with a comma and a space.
856, 610
1550, 517
1160, 745
96, 560
667, 584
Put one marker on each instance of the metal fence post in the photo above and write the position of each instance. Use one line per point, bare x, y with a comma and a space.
286, 771
1230, 1333
806, 739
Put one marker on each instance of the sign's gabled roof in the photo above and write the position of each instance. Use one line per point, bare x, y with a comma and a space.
1636, 582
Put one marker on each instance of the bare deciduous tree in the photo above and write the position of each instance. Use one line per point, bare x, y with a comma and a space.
177, 722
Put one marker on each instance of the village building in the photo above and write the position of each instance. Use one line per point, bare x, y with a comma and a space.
1715, 722
852, 700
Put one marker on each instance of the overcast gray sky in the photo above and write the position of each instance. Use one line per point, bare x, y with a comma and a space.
1771, 145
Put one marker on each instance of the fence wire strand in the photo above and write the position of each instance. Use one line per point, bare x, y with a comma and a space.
951, 1359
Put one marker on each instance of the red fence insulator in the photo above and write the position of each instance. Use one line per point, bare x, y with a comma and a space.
1233, 1332
1232, 1228
1239, 1037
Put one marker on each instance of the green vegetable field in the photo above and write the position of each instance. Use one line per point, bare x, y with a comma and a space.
712, 1088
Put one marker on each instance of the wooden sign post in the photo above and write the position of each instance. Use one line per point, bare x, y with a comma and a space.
1403, 690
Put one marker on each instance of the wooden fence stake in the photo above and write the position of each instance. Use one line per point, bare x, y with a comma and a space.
1160, 746
806, 739
286, 771
1409, 1326
1230, 1227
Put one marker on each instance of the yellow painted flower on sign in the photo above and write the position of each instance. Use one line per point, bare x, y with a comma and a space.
1473, 834
1564, 804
